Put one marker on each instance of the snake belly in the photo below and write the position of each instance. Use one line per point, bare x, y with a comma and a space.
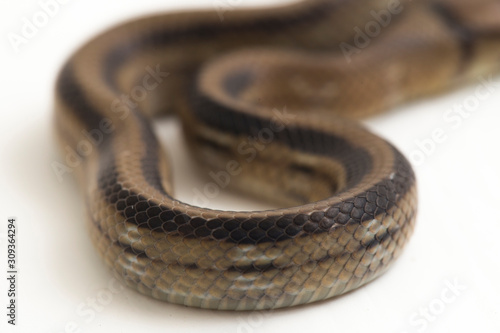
275, 76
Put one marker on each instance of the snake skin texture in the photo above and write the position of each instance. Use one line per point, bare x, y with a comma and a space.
267, 94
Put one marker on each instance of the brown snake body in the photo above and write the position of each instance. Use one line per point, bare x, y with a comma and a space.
352, 195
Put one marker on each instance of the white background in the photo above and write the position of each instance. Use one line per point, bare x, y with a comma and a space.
456, 238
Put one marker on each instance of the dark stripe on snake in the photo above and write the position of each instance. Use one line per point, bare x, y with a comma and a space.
74, 97
238, 123
464, 35
127, 248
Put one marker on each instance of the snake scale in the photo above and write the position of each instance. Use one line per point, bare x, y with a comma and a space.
270, 97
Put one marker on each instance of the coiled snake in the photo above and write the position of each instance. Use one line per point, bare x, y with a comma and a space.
264, 95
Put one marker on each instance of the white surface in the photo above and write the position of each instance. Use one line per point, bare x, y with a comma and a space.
60, 273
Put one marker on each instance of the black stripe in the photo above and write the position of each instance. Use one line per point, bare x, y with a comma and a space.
464, 34
74, 97
127, 248
238, 123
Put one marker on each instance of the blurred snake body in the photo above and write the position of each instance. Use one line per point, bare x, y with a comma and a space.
265, 97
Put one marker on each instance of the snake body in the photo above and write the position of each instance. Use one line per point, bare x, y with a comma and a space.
264, 95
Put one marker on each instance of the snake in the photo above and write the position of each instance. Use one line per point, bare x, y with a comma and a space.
270, 100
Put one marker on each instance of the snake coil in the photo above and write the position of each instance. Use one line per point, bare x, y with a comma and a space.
265, 93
